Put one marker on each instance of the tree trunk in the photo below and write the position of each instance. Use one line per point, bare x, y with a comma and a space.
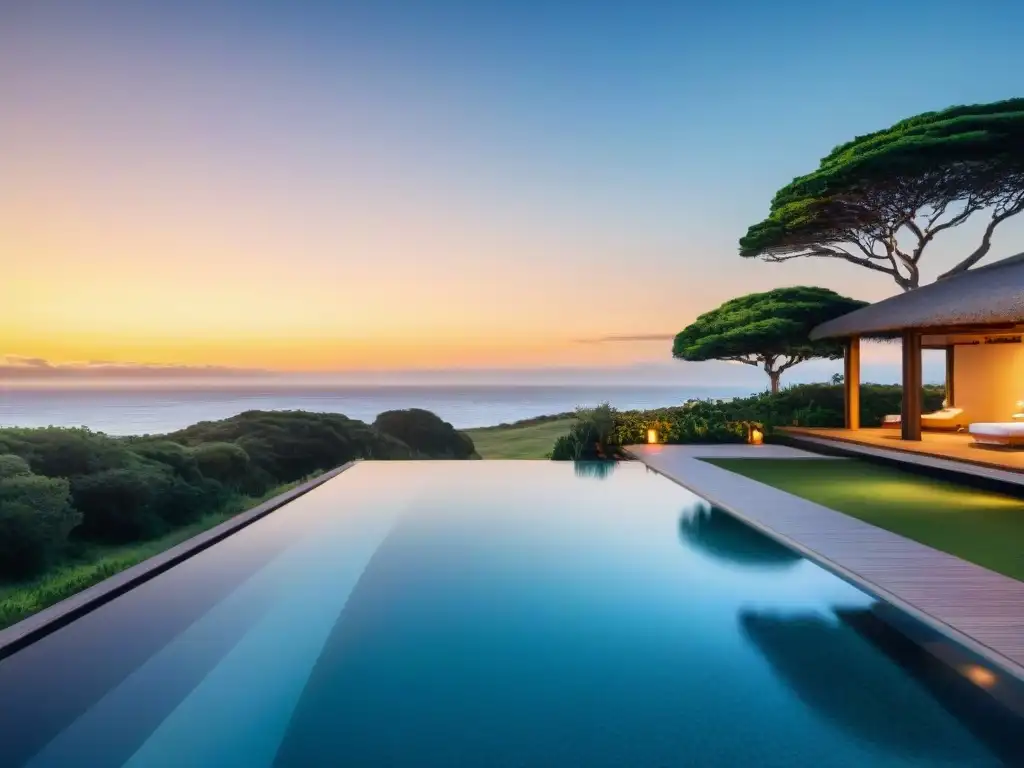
774, 376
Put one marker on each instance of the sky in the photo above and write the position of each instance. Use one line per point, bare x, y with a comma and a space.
379, 185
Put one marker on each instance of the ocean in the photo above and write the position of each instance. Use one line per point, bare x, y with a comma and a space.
160, 409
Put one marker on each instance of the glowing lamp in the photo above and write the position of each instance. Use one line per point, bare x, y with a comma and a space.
756, 436
652, 435
979, 675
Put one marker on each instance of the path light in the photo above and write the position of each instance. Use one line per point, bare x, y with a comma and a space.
756, 436
979, 675
652, 435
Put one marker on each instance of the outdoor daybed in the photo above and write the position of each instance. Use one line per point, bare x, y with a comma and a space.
998, 433
948, 419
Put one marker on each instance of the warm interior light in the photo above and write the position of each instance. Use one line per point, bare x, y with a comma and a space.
652, 435
979, 675
756, 436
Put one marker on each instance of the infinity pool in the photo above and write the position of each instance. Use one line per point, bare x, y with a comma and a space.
494, 614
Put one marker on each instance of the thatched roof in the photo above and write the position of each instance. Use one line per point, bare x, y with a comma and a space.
992, 295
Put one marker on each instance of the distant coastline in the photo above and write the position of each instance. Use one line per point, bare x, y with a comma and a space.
161, 409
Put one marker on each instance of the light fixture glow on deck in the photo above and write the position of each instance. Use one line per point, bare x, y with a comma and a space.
652, 435
756, 436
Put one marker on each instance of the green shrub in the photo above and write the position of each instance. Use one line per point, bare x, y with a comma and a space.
60, 452
182, 502
729, 421
120, 505
227, 463
426, 433
175, 456
285, 446
35, 520
13, 466
589, 437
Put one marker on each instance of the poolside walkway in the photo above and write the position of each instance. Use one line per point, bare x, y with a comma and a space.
978, 608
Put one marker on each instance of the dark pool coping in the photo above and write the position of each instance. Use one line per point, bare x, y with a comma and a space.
48, 620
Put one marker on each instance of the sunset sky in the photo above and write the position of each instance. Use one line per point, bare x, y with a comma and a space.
329, 186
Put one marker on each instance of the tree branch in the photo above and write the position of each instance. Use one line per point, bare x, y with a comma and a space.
823, 252
794, 360
743, 360
1011, 209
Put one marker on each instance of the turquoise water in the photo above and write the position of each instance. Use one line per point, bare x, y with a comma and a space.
493, 614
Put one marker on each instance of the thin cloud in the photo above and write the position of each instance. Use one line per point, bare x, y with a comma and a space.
26, 362
22, 367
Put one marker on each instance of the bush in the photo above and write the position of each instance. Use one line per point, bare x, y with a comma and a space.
175, 456
183, 503
35, 520
13, 466
120, 505
426, 433
820, 405
729, 421
227, 463
285, 446
60, 452
589, 437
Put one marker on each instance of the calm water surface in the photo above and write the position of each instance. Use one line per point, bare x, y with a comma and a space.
155, 410
493, 614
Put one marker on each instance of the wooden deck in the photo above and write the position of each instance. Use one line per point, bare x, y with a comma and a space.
981, 610
955, 453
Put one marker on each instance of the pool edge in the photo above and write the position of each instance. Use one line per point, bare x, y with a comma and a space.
955, 635
41, 624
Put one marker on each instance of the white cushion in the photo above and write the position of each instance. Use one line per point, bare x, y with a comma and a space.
1000, 429
945, 413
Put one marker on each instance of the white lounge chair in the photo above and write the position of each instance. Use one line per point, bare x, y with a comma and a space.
948, 419
1007, 433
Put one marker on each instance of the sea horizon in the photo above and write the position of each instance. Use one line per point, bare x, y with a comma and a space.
158, 408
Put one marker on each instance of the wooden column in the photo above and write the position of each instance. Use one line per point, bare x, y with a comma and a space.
910, 425
851, 382
950, 391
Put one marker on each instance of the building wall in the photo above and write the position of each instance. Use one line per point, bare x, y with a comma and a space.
988, 380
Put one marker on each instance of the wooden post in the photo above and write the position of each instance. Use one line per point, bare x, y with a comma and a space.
950, 362
851, 382
910, 417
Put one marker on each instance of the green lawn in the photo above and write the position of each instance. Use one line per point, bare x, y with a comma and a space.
527, 441
93, 564
985, 528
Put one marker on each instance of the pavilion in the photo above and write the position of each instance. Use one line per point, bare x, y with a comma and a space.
977, 317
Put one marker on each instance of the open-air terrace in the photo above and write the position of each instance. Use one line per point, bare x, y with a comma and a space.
954, 452
975, 318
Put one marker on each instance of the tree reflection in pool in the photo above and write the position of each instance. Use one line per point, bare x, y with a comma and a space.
714, 532
596, 469
832, 667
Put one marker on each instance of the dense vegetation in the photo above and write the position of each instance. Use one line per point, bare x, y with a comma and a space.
879, 200
426, 433
598, 432
62, 490
768, 330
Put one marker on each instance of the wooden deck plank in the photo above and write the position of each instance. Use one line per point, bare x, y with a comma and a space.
980, 609
949, 452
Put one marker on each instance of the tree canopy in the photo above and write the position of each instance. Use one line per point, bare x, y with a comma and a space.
769, 330
427, 433
879, 200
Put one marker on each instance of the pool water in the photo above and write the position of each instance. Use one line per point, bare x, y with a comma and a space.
494, 614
